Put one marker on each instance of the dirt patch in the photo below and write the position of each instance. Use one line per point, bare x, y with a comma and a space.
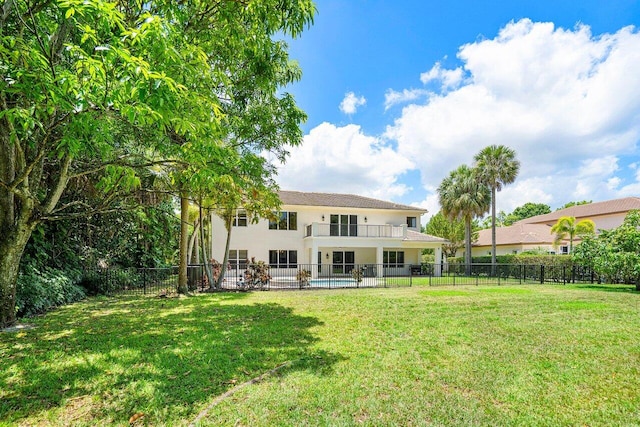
18, 327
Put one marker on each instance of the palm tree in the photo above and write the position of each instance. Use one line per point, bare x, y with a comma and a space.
497, 166
463, 196
567, 227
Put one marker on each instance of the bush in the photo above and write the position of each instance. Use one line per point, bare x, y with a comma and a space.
39, 290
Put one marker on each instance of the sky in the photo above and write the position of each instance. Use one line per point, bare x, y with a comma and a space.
400, 93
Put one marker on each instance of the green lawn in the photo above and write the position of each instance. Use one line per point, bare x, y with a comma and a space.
510, 355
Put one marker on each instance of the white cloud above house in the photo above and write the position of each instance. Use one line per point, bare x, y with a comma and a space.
392, 97
566, 101
345, 160
351, 102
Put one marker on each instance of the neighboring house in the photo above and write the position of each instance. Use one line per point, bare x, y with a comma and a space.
336, 232
535, 232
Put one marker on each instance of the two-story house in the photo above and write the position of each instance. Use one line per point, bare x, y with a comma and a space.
331, 232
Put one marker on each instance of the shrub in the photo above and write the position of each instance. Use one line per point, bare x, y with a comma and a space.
39, 290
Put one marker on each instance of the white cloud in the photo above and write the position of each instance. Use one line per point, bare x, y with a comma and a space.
392, 97
449, 79
344, 160
566, 101
351, 102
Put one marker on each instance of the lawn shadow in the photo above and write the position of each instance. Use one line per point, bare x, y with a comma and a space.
609, 288
164, 358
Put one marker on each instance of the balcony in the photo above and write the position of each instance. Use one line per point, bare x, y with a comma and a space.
318, 229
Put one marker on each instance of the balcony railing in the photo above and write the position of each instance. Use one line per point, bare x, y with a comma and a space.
317, 229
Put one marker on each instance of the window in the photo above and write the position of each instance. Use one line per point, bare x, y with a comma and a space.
412, 222
240, 219
343, 225
284, 221
238, 258
343, 262
393, 258
564, 250
283, 259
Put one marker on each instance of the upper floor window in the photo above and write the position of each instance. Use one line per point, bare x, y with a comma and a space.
284, 221
240, 219
343, 225
412, 222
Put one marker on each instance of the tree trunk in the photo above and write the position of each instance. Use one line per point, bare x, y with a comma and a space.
184, 243
493, 230
11, 250
467, 246
203, 246
223, 270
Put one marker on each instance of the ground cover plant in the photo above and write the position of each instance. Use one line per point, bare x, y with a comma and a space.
469, 355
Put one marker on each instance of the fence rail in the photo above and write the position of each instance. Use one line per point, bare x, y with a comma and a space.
155, 281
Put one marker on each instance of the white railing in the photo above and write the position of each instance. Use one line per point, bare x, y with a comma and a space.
318, 229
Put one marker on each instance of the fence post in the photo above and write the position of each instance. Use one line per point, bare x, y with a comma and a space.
144, 281
520, 276
564, 274
541, 274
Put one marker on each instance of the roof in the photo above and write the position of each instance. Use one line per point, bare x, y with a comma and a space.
340, 200
587, 211
414, 236
519, 233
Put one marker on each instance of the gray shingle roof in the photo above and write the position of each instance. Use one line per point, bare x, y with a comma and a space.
587, 211
340, 200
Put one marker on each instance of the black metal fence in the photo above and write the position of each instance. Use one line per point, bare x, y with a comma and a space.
157, 281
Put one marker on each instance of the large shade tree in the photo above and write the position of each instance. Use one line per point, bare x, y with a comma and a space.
463, 196
496, 166
79, 78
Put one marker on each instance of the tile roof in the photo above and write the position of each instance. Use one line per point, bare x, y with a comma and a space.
414, 236
587, 211
340, 200
518, 233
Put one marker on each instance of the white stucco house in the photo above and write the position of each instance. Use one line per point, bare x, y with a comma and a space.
331, 234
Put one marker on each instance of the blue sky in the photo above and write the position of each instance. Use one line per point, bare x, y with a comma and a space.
398, 94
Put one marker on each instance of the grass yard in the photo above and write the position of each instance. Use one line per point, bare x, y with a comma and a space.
509, 355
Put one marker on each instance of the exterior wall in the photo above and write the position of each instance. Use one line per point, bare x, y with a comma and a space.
603, 222
506, 249
258, 239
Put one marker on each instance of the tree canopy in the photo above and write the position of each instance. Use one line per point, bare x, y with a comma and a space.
462, 196
107, 90
614, 254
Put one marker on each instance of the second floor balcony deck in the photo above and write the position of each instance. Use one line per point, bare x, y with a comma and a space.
318, 229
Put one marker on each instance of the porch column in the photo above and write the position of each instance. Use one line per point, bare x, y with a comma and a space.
437, 271
313, 260
379, 260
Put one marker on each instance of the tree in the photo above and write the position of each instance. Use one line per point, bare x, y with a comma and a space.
525, 211
571, 204
614, 254
463, 196
497, 166
90, 87
450, 229
567, 227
